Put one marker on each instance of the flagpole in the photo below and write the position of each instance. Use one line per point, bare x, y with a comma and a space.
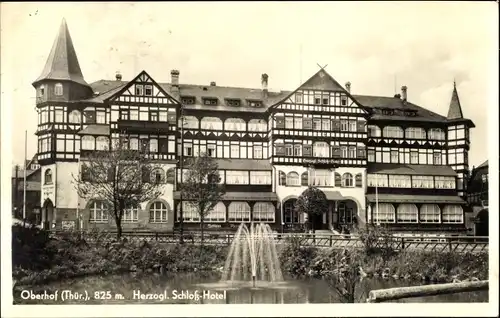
25, 167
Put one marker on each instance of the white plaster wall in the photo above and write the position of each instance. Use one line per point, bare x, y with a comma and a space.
66, 194
48, 190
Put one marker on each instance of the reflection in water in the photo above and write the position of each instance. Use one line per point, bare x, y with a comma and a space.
182, 289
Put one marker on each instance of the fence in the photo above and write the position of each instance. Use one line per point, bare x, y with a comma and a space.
459, 244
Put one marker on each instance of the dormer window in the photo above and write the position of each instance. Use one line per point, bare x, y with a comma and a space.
209, 101
58, 89
410, 113
139, 90
234, 102
42, 90
188, 100
343, 100
148, 90
254, 103
388, 112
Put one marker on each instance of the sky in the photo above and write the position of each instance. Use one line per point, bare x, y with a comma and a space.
377, 46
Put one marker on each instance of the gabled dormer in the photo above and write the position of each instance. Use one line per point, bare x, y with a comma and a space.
62, 78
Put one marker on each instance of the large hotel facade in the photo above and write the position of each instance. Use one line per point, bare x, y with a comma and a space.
377, 159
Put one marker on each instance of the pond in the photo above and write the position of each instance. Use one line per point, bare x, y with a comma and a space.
205, 288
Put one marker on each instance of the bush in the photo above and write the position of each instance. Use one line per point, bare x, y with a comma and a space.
376, 240
296, 259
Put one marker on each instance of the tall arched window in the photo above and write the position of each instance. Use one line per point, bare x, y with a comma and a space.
430, 213
393, 132
217, 214
88, 143
158, 212
48, 176
384, 213
58, 89
98, 212
211, 123
321, 149
237, 124
292, 179
131, 214
189, 122
102, 143
407, 213
347, 180
453, 214
239, 212
75, 117
264, 212
158, 175
257, 125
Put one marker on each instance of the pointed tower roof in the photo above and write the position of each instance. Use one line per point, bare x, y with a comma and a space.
62, 63
455, 109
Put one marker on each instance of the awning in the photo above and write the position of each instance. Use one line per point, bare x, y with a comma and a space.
400, 198
333, 195
421, 170
95, 130
243, 196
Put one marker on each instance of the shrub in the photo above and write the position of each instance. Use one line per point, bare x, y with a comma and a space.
296, 259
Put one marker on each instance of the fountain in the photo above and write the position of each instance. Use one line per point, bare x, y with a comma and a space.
252, 256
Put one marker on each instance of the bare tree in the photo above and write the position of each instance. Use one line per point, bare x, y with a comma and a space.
312, 202
120, 176
201, 188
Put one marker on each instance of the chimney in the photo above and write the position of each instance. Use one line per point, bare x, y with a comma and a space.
213, 84
174, 74
264, 79
118, 76
404, 95
348, 87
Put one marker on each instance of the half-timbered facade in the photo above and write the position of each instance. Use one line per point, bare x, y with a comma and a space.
377, 159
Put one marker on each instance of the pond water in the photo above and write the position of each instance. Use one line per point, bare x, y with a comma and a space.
188, 289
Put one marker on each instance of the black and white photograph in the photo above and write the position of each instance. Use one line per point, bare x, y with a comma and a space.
246, 154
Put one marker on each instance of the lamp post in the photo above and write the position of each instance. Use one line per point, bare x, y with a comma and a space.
181, 168
376, 198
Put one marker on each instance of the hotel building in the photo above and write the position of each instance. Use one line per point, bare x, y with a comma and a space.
377, 159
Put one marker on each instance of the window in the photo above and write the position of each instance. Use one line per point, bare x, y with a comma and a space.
347, 180
321, 178
235, 151
74, 117
436, 134
325, 100
102, 143
139, 90
237, 124
343, 152
134, 144
188, 100
343, 100
89, 117
415, 133
453, 214
292, 179
384, 213
426, 182
352, 152
239, 212
153, 145
414, 157
233, 102
209, 101
255, 103
289, 150
88, 143
48, 176
320, 149
264, 212
436, 158
188, 150
316, 124
445, 182
288, 122
211, 123
399, 181
42, 90
154, 115
260, 177
371, 155
344, 125
158, 212
291, 215
257, 125
58, 89
211, 151
148, 90
297, 122
374, 131
379, 180
257, 152
484, 178
430, 213
325, 124
394, 156
190, 122
237, 177
352, 125
101, 117
144, 144
217, 214
297, 150
98, 212
407, 213
298, 97
393, 132
131, 214
158, 176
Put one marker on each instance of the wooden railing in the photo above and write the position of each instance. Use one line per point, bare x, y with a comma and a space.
459, 244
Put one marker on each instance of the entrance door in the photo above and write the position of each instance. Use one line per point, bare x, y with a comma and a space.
48, 214
482, 223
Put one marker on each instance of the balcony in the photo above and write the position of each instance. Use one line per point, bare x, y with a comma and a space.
142, 126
